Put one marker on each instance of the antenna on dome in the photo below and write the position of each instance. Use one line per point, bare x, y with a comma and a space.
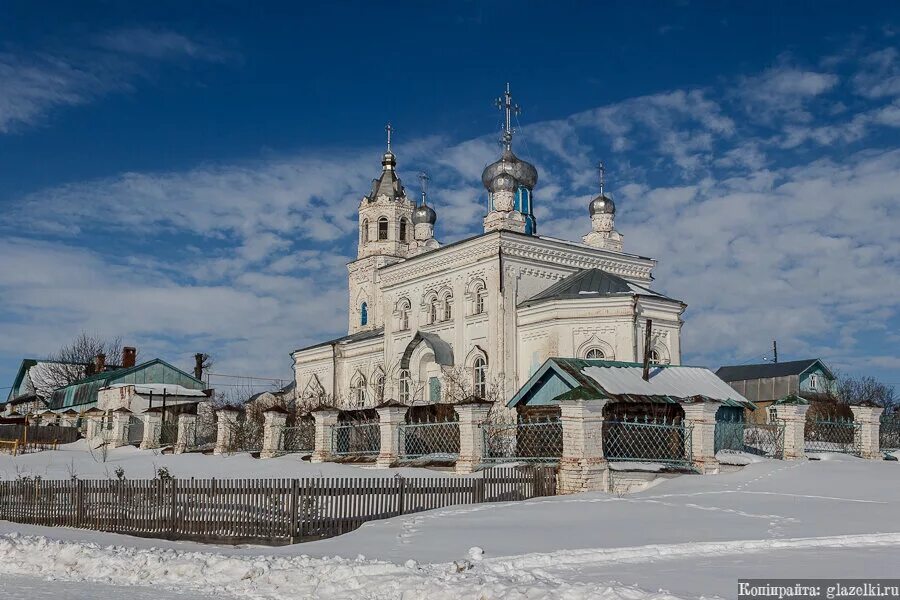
423, 179
505, 104
389, 129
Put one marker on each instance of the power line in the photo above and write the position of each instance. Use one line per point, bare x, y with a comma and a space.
245, 377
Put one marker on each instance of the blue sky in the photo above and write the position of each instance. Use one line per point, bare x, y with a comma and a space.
186, 176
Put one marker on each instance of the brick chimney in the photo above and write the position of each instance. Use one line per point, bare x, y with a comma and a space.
129, 355
99, 362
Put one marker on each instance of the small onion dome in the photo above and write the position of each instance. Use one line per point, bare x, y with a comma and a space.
424, 214
602, 204
503, 183
523, 172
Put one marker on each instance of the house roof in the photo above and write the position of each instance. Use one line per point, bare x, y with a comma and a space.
766, 370
348, 339
591, 283
623, 381
84, 391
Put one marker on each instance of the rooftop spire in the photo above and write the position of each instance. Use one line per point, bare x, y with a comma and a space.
389, 129
602, 171
505, 104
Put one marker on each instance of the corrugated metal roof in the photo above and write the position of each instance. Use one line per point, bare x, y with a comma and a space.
84, 391
765, 370
590, 283
624, 381
673, 381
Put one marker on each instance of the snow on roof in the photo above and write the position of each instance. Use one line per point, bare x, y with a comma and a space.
674, 381
157, 389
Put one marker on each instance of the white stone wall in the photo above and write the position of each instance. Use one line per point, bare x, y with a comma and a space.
515, 340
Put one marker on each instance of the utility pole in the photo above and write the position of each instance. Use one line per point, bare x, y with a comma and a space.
775, 350
647, 336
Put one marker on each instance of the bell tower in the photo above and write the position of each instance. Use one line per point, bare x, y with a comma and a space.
385, 236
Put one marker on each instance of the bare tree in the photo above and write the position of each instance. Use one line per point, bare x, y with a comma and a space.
863, 390
73, 362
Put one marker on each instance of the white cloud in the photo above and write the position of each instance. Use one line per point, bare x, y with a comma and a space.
33, 84
763, 236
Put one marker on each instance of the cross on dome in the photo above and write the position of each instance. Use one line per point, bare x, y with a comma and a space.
505, 104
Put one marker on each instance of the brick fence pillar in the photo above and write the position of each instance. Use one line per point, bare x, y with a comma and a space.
701, 418
389, 419
472, 419
794, 418
187, 431
582, 467
152, 430
274, 421
227, 421
119, 433
326, 419
868, 430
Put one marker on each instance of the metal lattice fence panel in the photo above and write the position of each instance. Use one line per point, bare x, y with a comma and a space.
300, 438
246, 436
535, 441
647, 441
436, 440
202, 433
168, 432
762, 439
361, 438
134, 430
889, 433
831, 436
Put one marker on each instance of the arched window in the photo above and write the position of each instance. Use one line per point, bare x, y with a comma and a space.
364, 314
404, 230
479, 302
382, 228
404, 387
364, 230
403, 316
654, 357
480, 377
379, 388
448, 307
433, 311
594, 353
358, 391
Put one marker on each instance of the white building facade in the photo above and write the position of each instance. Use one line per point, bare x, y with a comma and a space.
431, 323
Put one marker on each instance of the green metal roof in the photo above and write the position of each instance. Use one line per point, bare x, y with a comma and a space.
680, 383
84, 391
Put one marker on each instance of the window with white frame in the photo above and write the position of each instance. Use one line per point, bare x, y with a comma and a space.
358, 391
383, 228
379, 388
479, 302
595, 353
654, 357
433, 311
403, 392
364, 231
814, 381
448, 307
403, 316
479, 376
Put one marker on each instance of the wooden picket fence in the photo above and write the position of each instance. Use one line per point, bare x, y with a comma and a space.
267, 511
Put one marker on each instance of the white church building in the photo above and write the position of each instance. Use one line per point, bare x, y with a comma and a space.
486, 311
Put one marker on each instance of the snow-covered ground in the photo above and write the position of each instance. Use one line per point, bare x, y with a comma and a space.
693, 536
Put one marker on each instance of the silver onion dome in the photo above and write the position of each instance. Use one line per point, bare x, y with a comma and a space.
510, 164
503, 183
424, 214
602, 204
